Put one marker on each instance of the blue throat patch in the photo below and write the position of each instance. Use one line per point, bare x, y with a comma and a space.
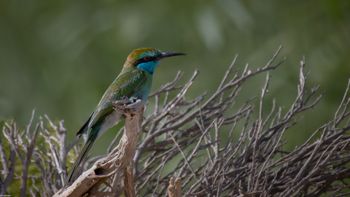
148, 66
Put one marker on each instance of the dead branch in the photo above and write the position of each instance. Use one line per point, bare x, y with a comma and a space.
106, 175
174, 188
217, 144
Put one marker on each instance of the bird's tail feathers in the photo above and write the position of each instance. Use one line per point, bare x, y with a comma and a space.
85, 127
75, 169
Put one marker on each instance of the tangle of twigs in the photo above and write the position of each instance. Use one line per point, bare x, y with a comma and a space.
211, 145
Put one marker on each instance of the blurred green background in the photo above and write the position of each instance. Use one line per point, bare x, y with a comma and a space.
59, 56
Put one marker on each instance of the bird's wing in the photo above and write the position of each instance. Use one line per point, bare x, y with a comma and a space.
125, 85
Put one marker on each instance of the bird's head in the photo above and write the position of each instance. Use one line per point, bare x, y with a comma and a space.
147, 59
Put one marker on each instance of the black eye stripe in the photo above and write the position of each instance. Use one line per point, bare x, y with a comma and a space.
145, 59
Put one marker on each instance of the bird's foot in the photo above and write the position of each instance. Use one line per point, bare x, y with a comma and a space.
135, 103
126, 100
133, 99
128, 105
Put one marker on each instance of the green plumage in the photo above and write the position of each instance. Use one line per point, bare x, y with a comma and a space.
135, 80
127, 84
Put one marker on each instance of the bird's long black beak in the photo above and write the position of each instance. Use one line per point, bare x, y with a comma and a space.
170, 54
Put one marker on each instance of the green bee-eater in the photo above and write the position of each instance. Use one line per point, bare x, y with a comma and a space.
134, 81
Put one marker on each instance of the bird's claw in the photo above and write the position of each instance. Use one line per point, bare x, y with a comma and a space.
128, 104
135, 104
134, 99
126, 101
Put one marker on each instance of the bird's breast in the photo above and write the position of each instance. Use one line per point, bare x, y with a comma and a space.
110, 120
144, 92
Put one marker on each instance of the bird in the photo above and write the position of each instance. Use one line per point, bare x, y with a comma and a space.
134, 81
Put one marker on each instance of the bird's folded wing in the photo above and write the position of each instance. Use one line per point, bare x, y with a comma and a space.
125, 85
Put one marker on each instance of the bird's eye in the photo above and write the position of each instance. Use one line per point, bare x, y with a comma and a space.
146, 59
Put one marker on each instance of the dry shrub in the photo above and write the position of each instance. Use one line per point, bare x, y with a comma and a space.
193, 140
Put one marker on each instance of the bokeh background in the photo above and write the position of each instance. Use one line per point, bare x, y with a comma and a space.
59, 56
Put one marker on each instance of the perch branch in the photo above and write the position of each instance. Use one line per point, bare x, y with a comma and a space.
115, 164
